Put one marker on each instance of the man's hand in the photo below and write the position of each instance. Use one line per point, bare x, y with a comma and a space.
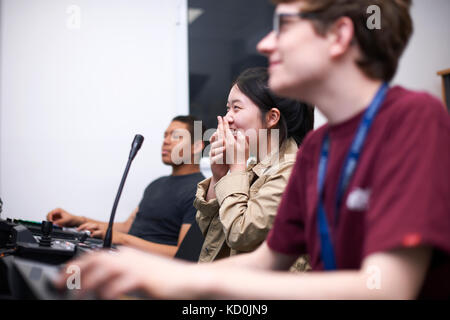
63, 218
97, 230
110, 275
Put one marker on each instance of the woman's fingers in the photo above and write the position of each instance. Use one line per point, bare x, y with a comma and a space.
241, 139
227, 132
242, 147
226, 126
220, 132
218, 159
213, 137
217, 144
216, 151
225, 146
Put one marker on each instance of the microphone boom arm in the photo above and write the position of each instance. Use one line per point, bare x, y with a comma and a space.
135, 146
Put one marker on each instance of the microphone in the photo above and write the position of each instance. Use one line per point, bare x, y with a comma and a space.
135, 146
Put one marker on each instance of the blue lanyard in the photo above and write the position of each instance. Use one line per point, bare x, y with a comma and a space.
326, 245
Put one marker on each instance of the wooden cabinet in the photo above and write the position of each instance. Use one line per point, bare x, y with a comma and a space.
445, 74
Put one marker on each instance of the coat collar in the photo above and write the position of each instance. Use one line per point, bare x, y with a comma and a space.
287, 151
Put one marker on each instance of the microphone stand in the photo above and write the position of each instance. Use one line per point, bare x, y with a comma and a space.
137, 142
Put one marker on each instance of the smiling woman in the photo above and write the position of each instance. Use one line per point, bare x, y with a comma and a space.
237, 205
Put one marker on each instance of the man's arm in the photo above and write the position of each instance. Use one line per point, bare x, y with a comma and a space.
138, 243
126, 225
65, 219
262, 258
98, 228
398, 274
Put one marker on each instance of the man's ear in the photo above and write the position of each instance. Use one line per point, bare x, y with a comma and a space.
341, 36
272, 118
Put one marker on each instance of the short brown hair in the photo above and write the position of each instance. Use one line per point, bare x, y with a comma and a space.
381, 48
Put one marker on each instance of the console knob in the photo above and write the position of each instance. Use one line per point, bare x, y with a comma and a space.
46, 229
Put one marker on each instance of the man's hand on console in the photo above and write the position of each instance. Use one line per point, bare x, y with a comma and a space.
63, 218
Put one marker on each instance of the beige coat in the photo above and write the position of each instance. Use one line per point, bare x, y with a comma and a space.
239, 219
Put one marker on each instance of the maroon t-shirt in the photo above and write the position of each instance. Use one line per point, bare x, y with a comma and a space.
399, 195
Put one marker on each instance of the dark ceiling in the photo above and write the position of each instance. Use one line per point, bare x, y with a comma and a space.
225, 19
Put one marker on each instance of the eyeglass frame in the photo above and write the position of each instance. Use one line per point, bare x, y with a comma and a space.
278, 15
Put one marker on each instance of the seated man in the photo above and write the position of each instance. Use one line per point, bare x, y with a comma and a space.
166, 210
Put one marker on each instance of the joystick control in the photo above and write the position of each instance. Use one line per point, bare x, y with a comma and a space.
83, 237
46, 239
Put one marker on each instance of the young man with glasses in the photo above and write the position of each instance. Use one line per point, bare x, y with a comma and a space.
369, 197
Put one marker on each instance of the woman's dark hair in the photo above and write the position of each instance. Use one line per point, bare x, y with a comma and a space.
296, 118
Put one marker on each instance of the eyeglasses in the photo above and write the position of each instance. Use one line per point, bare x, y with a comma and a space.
279, 19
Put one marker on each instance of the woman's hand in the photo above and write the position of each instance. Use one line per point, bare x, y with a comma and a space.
236, 148
219, 166
228, 151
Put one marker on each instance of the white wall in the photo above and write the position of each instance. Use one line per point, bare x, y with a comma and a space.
74, 92
429, 48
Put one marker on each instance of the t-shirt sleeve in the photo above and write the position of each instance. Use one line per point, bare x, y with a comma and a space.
410, 204
287, 235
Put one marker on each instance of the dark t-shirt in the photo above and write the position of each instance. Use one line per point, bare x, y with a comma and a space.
399, 195
166, 205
